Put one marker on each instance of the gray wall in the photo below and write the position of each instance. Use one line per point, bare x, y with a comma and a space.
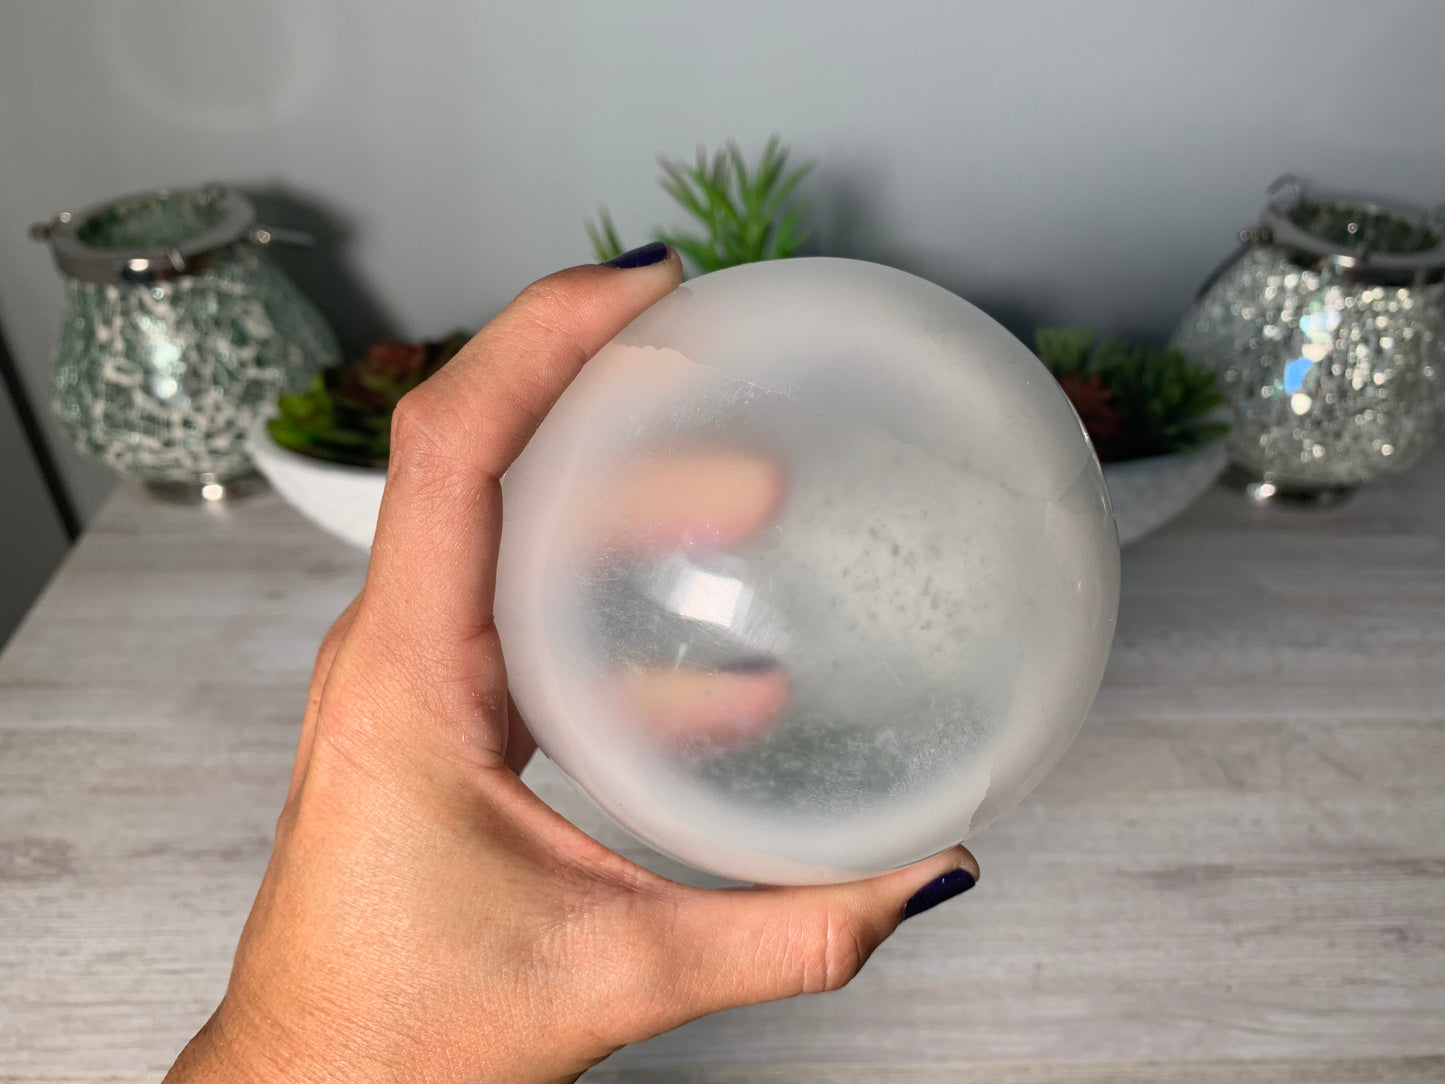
1056, 161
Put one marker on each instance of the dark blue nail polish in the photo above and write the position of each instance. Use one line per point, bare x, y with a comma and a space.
645, 256
750, 664
953, 883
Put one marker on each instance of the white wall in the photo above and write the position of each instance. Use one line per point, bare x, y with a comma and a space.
1052, 161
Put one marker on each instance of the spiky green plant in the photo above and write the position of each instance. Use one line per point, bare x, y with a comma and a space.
1064, 350
606, 244
1134, 401
744, 211
1168, 404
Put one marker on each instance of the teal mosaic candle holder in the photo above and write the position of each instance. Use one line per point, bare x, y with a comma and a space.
178, 333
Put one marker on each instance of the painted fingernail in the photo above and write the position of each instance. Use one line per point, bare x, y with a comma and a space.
645, 256
953, 883
750, 664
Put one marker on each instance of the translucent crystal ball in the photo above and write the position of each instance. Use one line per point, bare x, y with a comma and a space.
810, 574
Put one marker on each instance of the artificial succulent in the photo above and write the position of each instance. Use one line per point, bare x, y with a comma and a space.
1134, 401
744, 211
344, 416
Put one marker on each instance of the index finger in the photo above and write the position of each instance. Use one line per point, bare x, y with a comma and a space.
711, 498
434, 557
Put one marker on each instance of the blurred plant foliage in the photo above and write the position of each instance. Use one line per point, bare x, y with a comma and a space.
1134, 401
344, 416
746, 212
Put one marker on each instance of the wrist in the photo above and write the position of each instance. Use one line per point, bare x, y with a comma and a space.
228, 1050
238, 1046
215, 1054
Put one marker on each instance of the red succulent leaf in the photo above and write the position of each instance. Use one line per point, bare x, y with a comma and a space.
1095, 405
393, 362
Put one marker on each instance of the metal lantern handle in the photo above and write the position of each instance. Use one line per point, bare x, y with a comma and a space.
79, 259
264, 236
1362, 260
1282, 182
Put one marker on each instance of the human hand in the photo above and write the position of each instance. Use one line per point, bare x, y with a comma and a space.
424, 915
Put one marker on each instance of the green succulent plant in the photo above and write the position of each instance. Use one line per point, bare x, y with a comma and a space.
344, 416
744, 211
1134, 401
1064, 350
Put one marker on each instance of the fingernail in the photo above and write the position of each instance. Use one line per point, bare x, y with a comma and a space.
750, 664
644, 256
953, 883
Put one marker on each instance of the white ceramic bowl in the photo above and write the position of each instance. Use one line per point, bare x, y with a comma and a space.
341, 500
1148, 493
344, 501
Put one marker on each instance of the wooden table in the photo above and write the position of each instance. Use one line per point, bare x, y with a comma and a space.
1236, 875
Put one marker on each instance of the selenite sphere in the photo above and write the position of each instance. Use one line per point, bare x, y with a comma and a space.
810, 574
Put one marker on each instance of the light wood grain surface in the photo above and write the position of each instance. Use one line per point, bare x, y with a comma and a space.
1237, 874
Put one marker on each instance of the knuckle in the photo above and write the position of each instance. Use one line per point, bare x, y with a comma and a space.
427, 436
548, 301
415, 425
620, 978
829, 952
553, 310
539, 296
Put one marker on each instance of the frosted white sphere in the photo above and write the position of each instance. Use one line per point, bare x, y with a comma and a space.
810, 574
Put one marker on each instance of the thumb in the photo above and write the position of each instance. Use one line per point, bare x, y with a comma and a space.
743, 946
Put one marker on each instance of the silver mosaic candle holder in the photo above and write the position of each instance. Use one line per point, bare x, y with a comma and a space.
1327, 329
178, 332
